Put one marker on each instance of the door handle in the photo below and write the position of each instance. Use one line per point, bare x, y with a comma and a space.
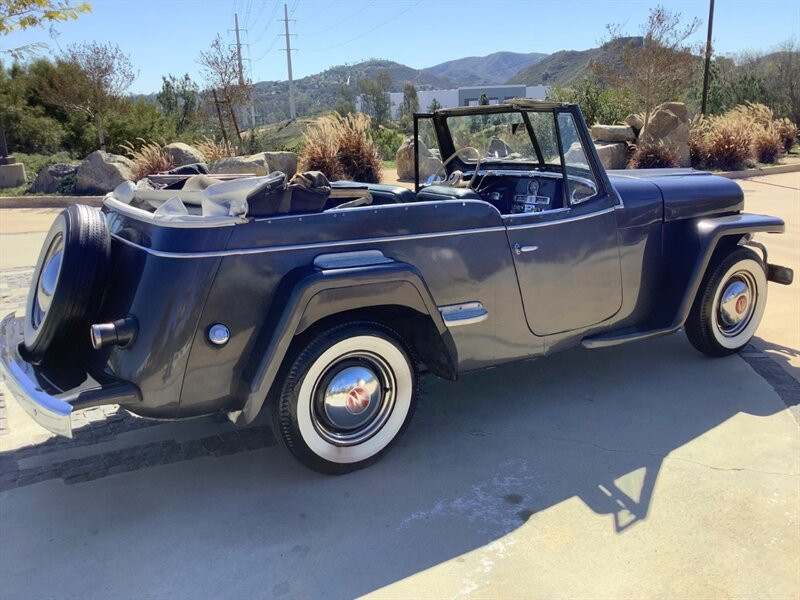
520, 249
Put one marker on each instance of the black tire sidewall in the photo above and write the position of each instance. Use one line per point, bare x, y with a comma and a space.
285, 407
78, 290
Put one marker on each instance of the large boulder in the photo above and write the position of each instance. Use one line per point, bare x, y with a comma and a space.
669, 125
50, 178
101, 172
614, 155
255, 164
184, 154
613, 133
282, 161
635, 122
429, 164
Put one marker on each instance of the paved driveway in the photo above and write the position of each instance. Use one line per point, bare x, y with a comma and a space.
639, 471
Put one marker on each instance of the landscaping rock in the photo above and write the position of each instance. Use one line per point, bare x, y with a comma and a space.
429, 164
255, 164
101, 172
12, 175
184, 154
635, 122
669, 125
613, 156
613, 133
282, 161
50, 178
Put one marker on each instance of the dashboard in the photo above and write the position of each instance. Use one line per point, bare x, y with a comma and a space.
514, 194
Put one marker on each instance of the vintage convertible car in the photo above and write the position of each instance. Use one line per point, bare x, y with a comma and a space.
321, 303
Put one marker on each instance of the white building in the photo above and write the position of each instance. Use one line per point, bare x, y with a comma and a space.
467, 96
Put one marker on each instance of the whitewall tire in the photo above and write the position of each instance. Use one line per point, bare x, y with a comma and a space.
346, 398
729, 305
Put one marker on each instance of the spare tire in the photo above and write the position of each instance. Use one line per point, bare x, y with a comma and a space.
67, 283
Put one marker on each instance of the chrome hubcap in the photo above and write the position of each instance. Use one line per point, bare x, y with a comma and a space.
353, 398
736, 304
48, 279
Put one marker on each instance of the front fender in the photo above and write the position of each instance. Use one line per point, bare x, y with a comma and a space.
709, 232
326, 292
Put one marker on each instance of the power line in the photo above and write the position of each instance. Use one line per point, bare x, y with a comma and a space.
359, 11
269, 21
366, 33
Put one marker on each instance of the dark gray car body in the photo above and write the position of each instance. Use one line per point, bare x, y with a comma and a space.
449, 274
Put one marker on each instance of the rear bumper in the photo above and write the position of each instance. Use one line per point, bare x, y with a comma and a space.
50, 395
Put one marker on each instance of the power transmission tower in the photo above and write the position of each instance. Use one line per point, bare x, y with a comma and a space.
292, 114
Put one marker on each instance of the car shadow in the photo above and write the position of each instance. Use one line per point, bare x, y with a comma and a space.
482, 456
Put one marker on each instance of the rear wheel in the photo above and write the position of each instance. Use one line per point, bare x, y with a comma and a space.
729, 305
347, 396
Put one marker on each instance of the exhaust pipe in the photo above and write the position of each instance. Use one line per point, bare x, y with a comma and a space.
120, 333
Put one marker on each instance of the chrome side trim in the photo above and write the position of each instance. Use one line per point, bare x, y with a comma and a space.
567, 220
344, 260
467, 313
291, 247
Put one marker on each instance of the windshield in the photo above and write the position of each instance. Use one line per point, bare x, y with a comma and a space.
506, 137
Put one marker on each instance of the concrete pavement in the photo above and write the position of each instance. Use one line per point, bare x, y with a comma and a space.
639, 471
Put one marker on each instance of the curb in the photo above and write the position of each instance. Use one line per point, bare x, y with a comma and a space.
747, 173
49, 201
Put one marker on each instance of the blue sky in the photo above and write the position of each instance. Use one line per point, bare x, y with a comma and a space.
167, 36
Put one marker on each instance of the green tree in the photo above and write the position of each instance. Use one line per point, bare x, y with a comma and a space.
375, 96
410, 105
179, 100
91, 78
346, 104
434, 105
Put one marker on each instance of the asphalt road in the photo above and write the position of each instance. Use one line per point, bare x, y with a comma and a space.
640, 471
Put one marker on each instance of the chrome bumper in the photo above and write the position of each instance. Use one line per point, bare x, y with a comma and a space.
50, 412
50, 394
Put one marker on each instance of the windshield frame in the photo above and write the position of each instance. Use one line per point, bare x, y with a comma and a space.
447, 147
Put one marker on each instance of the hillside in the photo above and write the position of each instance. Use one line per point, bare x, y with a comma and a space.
495, 68
319, 92
564, 67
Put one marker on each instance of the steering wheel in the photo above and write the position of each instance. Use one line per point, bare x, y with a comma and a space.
453, 181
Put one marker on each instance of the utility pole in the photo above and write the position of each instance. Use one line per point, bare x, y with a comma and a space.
238, 49
240, 64
292, 114
703, 104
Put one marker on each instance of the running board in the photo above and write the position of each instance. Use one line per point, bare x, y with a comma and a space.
615, 338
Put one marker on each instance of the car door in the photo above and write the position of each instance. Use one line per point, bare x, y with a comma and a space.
567, 259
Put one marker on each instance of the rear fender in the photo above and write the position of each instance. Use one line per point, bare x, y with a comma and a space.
329, 291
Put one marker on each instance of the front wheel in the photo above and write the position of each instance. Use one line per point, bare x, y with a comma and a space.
346, 397
729, 304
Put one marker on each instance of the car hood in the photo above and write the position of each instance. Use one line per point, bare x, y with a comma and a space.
688, 193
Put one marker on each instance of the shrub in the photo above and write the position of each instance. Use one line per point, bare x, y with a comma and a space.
321, 145
341, 148
766, 144
787, 132
358, 154
387, 140
213, 150
653, 156
149, 158
726, 142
